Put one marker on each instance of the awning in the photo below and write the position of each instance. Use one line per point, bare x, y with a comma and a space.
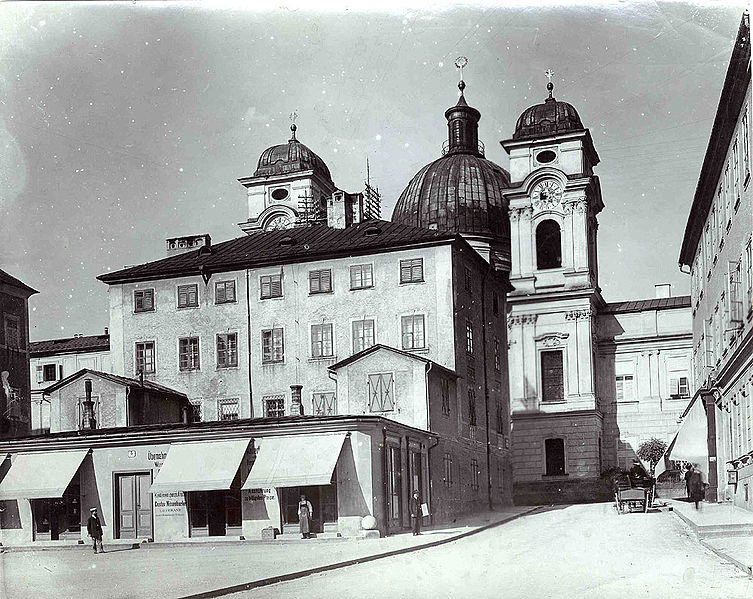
200, 466
691, 441
41, 475
295, 460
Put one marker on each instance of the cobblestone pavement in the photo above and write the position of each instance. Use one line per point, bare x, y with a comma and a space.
583, 551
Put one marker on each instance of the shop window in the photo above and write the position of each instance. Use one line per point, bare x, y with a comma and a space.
143, 300
270, 286
445, 386
548, 245
274, 406
552, 381
412, 271
381, 388
361, 276
324, 404
228, 409
412, 328
272, 346
227, 350
321, 341
363, 335
447, 461
188, 296
145, 358
49, 372
59, 518
224, 292
394, 469
555, 456
474, 474
188, 353
320, 281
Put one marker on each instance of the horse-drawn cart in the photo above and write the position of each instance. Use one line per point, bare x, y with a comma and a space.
632, 497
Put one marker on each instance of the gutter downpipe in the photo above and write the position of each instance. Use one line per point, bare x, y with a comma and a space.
486, 387
429, 448
248, 337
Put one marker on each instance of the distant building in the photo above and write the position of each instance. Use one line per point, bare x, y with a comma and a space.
717, 251
55, 359
15, 418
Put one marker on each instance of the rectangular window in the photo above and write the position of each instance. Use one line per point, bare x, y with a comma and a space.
500, 418
188, 296
271, 286
12, 326
143, 300
272, 346
412, 328
472, 407
381, 387
412, 271
474, 474
624, 387
228, 409
324, 404
188, 353
469, 337
679, 386
555, 456
227, 350
447, 460
321, 341
224, 292
363, 335
145, 357
552, 380
361, 276
468, 279
497, 356
49, 372
274, 406
197, 410
445, 386
320, 281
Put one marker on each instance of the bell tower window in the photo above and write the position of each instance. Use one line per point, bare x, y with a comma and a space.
548, 245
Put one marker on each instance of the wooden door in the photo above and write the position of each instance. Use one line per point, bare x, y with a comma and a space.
134, 506
143, 505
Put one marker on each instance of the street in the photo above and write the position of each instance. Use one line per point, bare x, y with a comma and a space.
566, 551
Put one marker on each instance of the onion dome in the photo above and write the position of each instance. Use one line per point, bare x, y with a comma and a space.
461, 191
292, 157
549, 118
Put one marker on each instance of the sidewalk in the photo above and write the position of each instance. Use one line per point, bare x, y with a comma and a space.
725, 529
211, 569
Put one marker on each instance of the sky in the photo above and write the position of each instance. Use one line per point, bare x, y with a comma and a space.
124, 124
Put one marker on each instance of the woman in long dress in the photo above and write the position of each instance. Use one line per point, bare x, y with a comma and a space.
305, 513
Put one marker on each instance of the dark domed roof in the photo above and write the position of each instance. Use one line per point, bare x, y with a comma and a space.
291, 157
550, 117
458, 192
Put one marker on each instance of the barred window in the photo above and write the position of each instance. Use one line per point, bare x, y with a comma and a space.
468, 275
500, 418
143, 300
381, 388
50, 372
274, 406
224, 292
469, 337
413, 331
227, 350
361, 276
412, 271
145, 361
320, 281
474, 474
271, 286
324, 404
472, 407
228, 409
447, 461
321, 340
272, 346
197, 410
497, 356
363, 335
552, 381
445, 385
188, 296
188, 353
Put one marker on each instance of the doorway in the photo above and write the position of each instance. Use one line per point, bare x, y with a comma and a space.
133, 505
215, 513
323, 500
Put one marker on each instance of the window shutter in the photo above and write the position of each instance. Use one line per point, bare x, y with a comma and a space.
220, 293
230, 291
276, 286
418, 270
148, 300
405, 271
325, 283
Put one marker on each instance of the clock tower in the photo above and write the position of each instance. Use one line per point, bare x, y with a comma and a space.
554, 199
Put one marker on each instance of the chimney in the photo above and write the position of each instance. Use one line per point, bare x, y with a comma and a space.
296, 408
663, 290
107, 331
89, 422
187, 243
337, 210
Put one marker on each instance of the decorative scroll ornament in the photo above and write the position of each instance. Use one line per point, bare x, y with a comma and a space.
578, 314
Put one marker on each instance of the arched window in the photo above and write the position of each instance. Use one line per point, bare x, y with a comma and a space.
548, 245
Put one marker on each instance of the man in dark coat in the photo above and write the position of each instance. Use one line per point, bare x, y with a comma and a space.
695, 483
688, 474
94, 528
415, 512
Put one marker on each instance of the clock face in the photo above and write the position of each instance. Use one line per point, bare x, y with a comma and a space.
546, 194
278, 222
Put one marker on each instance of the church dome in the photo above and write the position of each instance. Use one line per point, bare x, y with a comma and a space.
292, 157
461, 191
548, 118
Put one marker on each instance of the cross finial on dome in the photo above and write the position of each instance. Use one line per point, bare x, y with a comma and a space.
549, 86
293, 117
461, 62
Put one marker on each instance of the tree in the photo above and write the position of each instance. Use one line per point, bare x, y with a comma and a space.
651, 451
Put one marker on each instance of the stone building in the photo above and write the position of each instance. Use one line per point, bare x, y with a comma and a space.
716, 250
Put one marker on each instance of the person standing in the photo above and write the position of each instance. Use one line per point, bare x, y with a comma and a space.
695, 482
94, 528
305, 514
688, 474
416, 513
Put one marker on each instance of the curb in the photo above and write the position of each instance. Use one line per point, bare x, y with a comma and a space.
247, 586
747, 569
